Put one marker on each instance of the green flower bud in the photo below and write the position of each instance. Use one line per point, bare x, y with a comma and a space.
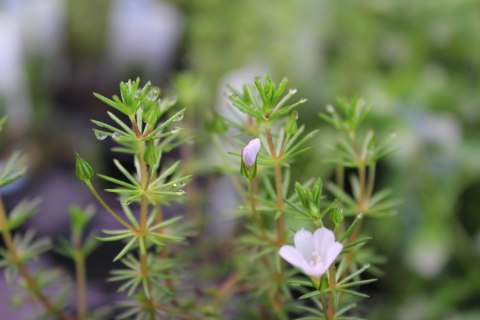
337, 216
151, 154
83, 169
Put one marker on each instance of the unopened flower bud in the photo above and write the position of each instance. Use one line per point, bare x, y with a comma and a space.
249, 159
250, 152
83, 168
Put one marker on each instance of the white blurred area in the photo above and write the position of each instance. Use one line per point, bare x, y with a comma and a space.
143, 34
28, 28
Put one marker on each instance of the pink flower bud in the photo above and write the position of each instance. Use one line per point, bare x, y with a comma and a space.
250, 152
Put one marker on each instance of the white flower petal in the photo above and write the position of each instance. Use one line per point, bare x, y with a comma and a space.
314, 253
315, 270
332, 253
324, 238
292, 256
303, 240
250, 152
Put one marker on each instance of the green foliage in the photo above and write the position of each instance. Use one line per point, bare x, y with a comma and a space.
272, 209
21, 212
13, 169
149, 135
275, 205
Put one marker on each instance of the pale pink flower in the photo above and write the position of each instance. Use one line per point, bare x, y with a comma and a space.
313, 253
250, 152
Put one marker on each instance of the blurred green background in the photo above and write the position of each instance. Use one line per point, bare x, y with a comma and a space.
416, 62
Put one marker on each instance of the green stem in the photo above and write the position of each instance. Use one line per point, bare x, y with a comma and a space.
253, 206
371, 181
340, 176
278, 185
143, 217
106, 206
23, 271
363, 188
81, 282
332, 283
277, 298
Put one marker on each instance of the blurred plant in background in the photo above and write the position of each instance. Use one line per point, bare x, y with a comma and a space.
416, 63
149, 277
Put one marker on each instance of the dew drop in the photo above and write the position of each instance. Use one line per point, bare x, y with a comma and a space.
116, 136
292, 90
126, 202
303, 100
330, 109
100, 135
180, 184
181, 192
234, 95
136, 95
153, 94
172, 99
180, 117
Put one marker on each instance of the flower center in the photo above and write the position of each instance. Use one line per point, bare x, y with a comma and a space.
316, 258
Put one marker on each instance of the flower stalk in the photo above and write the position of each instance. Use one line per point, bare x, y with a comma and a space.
106, 206
81, 281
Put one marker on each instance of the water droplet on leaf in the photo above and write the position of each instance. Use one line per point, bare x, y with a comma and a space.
180, 117
181, 184
137, 94
153, 94
116, 136
100, 135
292, 91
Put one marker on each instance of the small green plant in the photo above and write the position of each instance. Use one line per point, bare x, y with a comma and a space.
330, 248
275, 208
146, 233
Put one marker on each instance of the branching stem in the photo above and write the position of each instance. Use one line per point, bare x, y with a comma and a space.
23, 271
